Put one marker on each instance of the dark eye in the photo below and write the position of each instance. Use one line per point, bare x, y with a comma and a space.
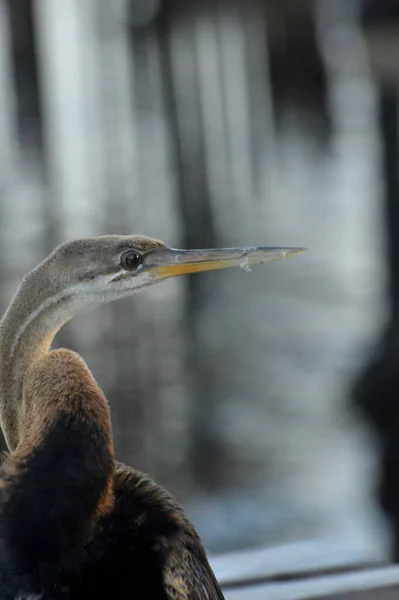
131, 260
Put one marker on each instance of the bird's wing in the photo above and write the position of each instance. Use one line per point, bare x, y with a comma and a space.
188, 576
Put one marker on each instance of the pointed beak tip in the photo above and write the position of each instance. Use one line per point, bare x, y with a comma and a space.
295, 251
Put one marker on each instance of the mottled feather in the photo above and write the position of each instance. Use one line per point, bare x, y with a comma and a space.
188, 575
186, 572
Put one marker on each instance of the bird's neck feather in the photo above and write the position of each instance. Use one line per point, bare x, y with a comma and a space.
39, 309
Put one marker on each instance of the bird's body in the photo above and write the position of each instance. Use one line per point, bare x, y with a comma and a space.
74, 523
144, 549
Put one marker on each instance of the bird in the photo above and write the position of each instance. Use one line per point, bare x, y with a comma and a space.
74, 522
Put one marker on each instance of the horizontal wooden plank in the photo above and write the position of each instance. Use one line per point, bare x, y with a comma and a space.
381, 584
387, 594
293, 561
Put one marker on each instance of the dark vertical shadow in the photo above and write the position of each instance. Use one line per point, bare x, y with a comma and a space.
296, 66
195, 204
24, 63
377, 391
30, 115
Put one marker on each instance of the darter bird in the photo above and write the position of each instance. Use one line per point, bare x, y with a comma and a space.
75, 523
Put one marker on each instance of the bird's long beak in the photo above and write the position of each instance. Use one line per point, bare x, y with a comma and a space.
168, 262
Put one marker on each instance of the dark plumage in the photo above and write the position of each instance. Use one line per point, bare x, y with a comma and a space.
144, 549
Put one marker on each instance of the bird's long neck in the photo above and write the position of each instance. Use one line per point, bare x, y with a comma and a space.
37, 312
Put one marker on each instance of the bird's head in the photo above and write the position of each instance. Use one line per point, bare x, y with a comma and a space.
114, 266
83, 273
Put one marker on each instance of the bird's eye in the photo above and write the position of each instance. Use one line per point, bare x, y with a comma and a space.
131, 260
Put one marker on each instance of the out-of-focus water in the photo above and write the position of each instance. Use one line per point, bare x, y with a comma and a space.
284, 341
302, 331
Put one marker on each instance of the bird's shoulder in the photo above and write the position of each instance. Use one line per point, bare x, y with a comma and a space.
135, 492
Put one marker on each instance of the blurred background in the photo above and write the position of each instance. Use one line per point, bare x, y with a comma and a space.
215, 123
